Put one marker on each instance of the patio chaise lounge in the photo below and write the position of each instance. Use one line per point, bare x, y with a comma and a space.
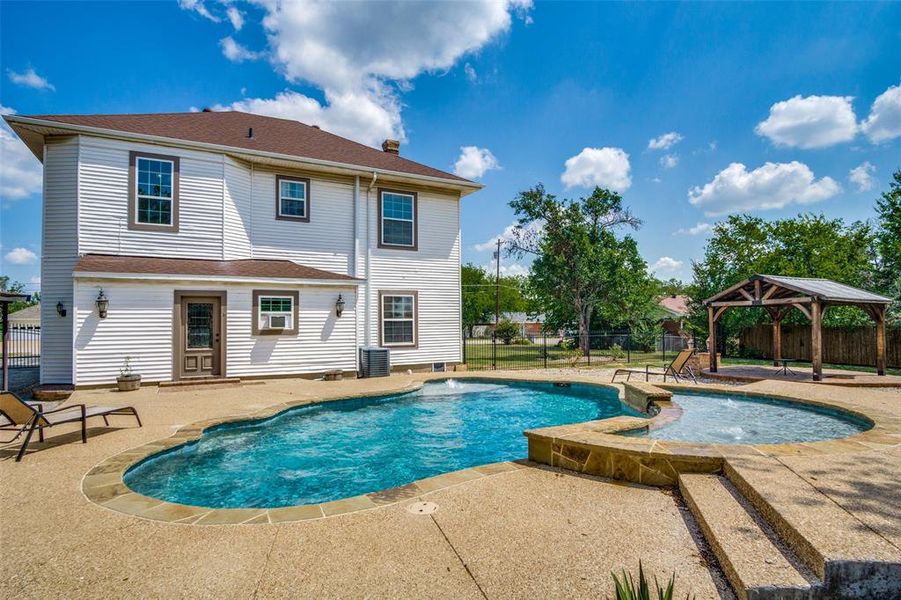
22, 417
677, 369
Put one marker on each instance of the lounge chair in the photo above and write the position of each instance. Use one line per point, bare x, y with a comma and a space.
677, 369
22, 417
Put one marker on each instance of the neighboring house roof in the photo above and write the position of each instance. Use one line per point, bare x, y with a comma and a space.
675, 305
824, 290
231, 129
252, 268
30, 315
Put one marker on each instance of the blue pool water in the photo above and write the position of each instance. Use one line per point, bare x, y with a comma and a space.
339, 449
735, 419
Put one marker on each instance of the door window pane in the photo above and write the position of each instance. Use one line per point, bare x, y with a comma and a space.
200, 325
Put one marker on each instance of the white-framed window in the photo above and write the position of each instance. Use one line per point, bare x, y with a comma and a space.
292, 198
397, 228
398, 318
154, 192
276, 313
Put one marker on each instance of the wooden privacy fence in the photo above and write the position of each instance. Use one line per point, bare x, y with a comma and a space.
841, 346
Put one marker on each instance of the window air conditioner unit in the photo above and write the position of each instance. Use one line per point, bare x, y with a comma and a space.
278, 321
375, 362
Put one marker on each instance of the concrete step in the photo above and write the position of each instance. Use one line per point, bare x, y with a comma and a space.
850, 559
757, 565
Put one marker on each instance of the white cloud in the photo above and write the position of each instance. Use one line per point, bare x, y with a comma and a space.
669, 161
21, 256
774, 185
811, 122
339, 51
508, 269
604, 167
35, 280
470, 72
474, 162
884, 122
29, 78
664, 141
235, 17
21, 173
862, 176
666, 264
235, 52
355, 116
696, 230
200, 8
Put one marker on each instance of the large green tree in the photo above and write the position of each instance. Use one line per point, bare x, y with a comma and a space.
888, 242
478, 295
804, 246
582, 269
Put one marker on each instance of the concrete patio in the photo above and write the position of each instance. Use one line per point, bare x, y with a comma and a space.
527, 531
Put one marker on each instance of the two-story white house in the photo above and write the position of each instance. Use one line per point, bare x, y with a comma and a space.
226, 244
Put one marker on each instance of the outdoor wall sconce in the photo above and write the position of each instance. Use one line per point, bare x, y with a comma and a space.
339, 306
102, 304
60, 309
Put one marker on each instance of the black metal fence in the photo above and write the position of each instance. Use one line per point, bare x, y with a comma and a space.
545, 351
24, 346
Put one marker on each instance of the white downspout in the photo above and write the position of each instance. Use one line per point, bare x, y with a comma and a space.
367, 335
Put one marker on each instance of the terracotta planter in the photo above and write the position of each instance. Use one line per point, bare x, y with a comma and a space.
128, 383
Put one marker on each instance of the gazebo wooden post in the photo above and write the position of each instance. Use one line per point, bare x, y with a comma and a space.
816, 339
879, 313
776, 314
711, 339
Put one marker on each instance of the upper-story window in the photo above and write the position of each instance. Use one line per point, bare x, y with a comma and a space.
397, 219
292, 198
153, 192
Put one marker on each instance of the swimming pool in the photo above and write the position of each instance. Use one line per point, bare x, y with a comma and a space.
737, 419
334, 450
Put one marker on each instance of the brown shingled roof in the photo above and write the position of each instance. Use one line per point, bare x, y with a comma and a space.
270, 134
268, 269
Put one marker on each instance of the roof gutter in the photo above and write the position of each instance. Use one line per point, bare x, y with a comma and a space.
216, 279
465, 186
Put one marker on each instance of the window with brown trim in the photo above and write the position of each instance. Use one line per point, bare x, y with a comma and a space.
292, 198
398, 316
398, 215
153, 192
275, 312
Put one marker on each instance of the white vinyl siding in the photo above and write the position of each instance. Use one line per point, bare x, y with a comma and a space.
326, 244
103, 203
59, 253
236, 210
433, 271
139, 325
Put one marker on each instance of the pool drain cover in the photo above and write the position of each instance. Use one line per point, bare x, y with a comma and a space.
422, 508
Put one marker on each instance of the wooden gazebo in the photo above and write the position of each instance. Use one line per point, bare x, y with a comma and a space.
778, 295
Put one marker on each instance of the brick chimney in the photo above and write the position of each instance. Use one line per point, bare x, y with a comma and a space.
391, 146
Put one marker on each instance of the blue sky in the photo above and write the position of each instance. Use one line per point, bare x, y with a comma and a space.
769, 107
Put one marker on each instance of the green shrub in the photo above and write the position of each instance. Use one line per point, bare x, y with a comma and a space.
629, 589
616, 352
522, 342
506, 331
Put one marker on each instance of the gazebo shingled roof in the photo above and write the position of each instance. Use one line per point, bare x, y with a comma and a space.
777, 294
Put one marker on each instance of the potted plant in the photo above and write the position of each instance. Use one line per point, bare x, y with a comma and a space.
128, 380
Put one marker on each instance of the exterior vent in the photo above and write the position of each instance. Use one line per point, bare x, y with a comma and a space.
375, 362
439, 367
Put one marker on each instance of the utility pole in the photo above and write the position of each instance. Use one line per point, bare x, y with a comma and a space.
497, 285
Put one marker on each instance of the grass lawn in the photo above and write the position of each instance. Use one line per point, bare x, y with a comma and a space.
756, 361
479, 356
